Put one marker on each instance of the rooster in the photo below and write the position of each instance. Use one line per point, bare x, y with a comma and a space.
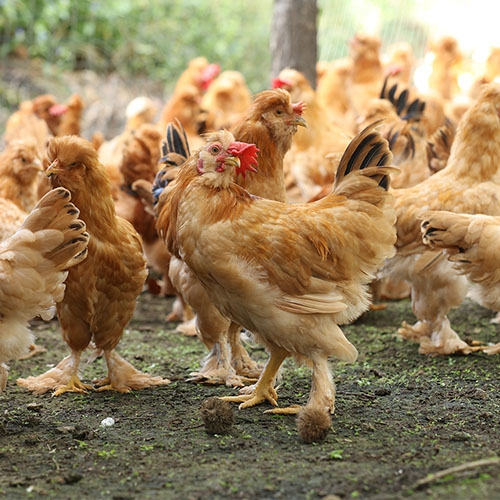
288, 273
271, 123
34, 264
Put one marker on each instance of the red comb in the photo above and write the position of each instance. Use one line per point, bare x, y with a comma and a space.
298, 107
58, 109
209, 74
247, 153
278, 83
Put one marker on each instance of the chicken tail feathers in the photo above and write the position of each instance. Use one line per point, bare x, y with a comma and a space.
36, 258
175, 151
368, 152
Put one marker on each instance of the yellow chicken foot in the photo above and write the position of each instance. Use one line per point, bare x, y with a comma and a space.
123, 377
264, 389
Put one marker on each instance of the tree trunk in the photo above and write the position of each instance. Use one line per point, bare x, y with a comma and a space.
293, 37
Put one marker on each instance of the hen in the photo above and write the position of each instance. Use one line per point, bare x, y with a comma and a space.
226, 101
317, 148
289, 273
20, 172
100, 293
33, 265
471, 243
469, 183
271, 122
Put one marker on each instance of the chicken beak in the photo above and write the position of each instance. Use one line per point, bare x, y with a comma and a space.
233, 161
52, 168
299, 121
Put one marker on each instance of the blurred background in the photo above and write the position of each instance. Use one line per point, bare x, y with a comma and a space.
142, 46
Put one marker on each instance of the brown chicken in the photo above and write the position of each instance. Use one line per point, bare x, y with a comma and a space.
317, 148
33, 263
471, 243
271, 122
367, 73
331, 92
101, 293
289, 273
226, 101
185, 102
469, 183
20, 173
140, 159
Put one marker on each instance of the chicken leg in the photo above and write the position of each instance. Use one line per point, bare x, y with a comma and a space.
62, 378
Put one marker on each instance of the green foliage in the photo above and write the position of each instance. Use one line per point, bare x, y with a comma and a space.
153, 38
157, 38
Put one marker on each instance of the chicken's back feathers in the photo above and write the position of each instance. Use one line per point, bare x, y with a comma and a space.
33, 265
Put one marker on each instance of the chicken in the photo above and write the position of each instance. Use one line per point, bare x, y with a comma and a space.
317, 148
271, 122
288, 273
20, 172
471, 243
367, 72
226, 101
140, 158
70, 123
331, 93
469, 183
34, 263
101, 293
185, 102
139, 111
439, 146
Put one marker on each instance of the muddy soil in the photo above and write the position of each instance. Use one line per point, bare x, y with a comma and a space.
402, 420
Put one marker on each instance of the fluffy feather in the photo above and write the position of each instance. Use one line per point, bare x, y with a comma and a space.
37, 256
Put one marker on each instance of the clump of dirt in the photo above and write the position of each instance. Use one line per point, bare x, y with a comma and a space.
402, 419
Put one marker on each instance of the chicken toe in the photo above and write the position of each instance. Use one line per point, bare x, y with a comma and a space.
123, 377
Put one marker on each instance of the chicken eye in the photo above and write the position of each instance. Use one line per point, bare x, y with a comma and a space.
279, 111
215, 149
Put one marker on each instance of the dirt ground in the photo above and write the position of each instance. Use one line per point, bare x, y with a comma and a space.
402, 419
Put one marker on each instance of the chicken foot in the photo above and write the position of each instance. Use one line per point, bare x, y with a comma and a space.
436, 337
123, 377
62, 378
264, 389
217, 368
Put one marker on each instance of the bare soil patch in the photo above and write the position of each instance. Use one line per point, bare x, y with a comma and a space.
401, 419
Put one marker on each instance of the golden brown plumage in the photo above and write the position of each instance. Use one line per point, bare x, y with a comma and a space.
367, 72
469, 183
101, 293
226, 100
271, 123
20, 172
471, 243
33, 265
317, 148
289, 273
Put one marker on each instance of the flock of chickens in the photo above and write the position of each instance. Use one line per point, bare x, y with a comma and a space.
285, 215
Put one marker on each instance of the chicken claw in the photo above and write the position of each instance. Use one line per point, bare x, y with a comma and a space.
259, 395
